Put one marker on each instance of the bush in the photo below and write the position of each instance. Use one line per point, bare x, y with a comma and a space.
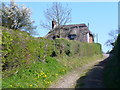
29, 62
19, 48
112, 69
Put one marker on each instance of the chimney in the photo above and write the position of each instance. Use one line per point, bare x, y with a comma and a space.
88, 25
53, 24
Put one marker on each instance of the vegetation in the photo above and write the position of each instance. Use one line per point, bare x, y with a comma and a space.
29, 62
57, 12
16, 17
112, 70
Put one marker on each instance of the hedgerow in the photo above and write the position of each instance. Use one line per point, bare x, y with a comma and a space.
112, 69
19, 48
29, 62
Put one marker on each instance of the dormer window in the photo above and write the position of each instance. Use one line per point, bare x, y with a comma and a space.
72, 37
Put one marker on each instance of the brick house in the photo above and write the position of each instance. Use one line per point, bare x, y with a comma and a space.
77, 32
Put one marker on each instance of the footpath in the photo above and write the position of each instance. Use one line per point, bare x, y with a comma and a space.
92, 80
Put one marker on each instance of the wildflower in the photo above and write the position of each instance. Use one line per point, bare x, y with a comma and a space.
42, 73
63, 70
45, 76
10, 85
31, 85
38, 76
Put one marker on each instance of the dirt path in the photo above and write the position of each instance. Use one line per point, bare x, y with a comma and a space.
94, 78
70, 79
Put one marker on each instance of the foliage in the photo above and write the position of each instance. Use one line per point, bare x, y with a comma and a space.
112, 70
39, 75
17, 17
24, 57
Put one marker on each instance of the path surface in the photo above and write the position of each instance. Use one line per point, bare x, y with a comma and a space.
94, 78
71, 78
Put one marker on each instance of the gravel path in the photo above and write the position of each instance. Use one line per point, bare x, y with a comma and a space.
70, 79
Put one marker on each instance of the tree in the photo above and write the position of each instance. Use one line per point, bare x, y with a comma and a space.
17, 17
113, 35
58, 13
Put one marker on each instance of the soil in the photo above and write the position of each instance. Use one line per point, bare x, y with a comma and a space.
93, 79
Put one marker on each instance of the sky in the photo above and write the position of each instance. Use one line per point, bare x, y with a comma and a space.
101, 16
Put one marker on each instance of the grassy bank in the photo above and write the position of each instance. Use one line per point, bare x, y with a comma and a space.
41, 75
112, 69
29, 62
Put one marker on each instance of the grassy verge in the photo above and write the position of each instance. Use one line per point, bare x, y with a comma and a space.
76, 61
41, 75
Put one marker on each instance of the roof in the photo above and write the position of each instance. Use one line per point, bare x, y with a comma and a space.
73, 25
73, 32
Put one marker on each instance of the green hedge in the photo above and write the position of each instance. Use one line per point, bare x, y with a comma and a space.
117, 48
112, 69
19, 48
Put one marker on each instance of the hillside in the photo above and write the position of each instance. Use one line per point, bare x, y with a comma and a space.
30, 62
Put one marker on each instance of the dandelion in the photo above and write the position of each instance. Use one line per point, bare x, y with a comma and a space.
56, 74
42, 73
38, 76
31, 85
63, 70
45, 76
10, 85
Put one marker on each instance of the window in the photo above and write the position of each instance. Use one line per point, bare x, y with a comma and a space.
81, 26
72, 37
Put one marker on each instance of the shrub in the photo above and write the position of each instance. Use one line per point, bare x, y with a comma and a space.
19, 48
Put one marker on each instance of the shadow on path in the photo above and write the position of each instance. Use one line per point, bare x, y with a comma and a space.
94, 77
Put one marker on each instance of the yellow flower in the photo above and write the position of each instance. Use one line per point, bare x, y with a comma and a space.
63, 70
31, 85
10, 85
38, 76
45, 75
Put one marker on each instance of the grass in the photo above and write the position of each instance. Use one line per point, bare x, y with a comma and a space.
76, 61
42, 75
29, 62
38, 75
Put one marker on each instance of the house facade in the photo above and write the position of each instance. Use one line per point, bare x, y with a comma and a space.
77, 32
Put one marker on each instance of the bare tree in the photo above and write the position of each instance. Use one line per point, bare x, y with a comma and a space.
58, 13
113, 34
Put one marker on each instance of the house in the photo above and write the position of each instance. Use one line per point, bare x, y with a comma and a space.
77, 32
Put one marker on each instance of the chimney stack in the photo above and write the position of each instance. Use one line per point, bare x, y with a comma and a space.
88, 25
54, 23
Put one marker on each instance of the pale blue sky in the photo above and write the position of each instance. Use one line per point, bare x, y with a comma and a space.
101, 16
